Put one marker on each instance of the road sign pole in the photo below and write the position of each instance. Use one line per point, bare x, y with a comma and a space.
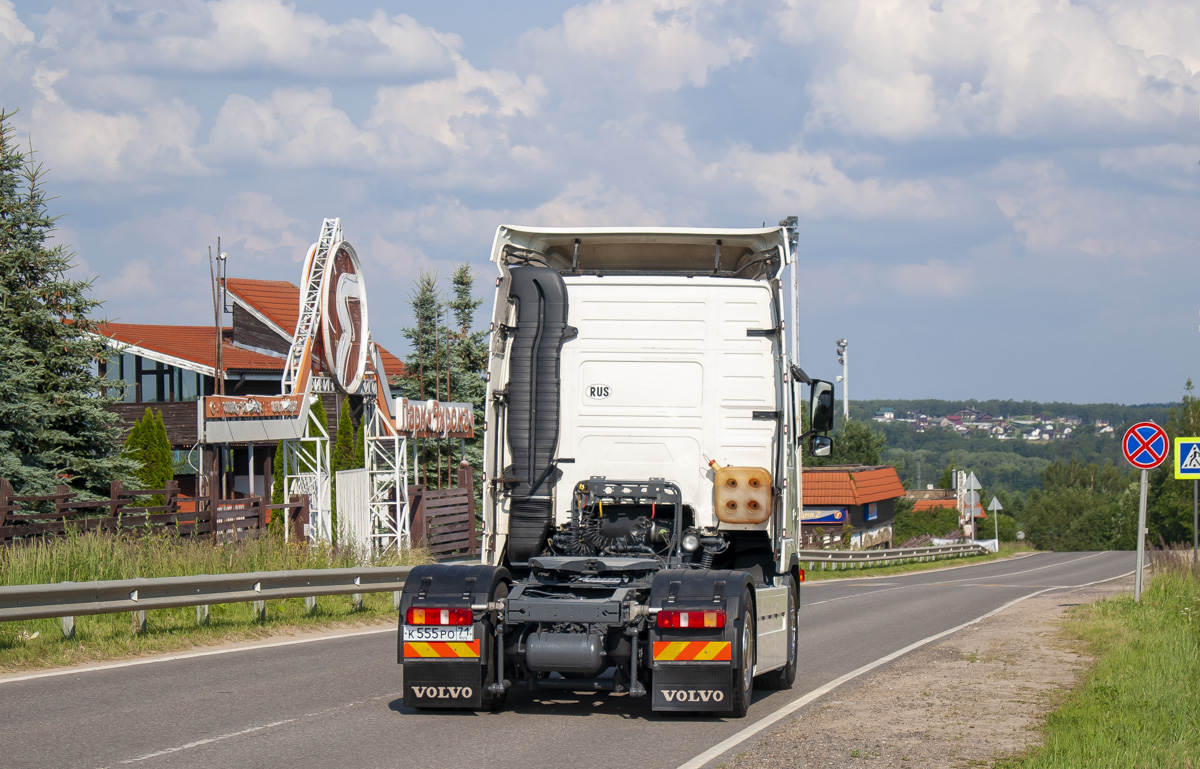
1141, 542
1195, 521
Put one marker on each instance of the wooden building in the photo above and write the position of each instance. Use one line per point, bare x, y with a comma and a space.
169, 368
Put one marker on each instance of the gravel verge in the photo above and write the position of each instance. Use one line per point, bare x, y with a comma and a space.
978, 696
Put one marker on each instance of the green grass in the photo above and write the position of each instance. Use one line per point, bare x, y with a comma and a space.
91, 556
1140, 704
1007, 550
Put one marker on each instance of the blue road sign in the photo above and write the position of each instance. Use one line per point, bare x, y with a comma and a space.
1145, 445
1187, 458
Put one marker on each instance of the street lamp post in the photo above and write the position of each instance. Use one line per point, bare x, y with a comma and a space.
844, 359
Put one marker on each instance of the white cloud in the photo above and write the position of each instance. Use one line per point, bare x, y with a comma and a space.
935, 278
1054, 217
811, 184
12, 31
652, 45
899, 70
245, 36
149, 143
293, 128
436, 109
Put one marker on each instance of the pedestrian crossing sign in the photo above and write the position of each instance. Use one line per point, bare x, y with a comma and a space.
1187, 458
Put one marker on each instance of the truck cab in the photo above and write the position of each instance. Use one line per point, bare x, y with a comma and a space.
643, 439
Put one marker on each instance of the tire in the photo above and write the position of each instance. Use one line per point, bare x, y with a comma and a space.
743, 673
784, 677
494, 702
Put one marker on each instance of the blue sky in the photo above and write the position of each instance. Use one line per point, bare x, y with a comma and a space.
996, 199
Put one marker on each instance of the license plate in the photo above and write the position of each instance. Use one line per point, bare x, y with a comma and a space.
439, 633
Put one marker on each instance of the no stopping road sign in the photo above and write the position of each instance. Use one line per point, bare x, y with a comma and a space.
1145, 445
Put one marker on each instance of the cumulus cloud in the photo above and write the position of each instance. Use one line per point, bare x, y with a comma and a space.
87, 144
1056, 218
652, 45
245, 37
811, 184
900, 70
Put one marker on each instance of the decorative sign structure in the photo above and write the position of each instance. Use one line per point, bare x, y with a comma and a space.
344, 330
433, 419
332, 350
1187, 458
1145, 445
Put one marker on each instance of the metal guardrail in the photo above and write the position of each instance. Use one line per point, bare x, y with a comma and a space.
863, 558
69, 599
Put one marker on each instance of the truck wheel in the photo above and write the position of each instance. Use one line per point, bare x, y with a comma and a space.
494, 702
784, 677
743, 674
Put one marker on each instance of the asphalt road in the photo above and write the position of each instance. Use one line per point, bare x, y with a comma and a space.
336, 702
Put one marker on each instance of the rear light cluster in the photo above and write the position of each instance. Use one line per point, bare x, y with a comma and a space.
432, 616
802, 575
677, 619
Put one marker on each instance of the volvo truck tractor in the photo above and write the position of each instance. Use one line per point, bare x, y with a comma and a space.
641, 496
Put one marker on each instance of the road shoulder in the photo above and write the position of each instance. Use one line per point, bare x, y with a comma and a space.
977, 696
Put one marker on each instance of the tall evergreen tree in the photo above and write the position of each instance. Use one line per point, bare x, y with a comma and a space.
54, 427
447, 361
468, 363
421, 369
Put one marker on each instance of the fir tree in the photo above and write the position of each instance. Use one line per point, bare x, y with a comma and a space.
467, 363
421, 380
54, 427
447, 362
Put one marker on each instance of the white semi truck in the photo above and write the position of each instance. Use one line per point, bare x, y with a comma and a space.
641, 478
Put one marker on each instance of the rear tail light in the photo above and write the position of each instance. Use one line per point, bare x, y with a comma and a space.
802, 575
673, 618
435, 616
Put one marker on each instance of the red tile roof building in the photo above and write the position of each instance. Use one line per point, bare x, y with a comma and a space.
860, 496
169, 368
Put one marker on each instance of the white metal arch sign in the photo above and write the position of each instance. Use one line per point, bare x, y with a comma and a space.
344, 330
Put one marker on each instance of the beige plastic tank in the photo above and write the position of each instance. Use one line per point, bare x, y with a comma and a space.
742, 494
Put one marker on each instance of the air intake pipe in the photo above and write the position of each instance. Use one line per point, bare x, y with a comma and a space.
533, 397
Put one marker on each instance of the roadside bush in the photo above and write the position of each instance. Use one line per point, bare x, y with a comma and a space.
939, 522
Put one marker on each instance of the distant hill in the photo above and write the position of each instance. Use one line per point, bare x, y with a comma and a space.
1013, 464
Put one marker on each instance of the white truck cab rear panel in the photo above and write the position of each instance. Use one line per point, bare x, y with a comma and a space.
663, 375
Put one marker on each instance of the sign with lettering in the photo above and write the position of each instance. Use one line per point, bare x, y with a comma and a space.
433, 419
251, 406
344, 318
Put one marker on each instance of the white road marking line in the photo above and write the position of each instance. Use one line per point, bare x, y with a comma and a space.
790, 708
253, 729
208, 741
189, 655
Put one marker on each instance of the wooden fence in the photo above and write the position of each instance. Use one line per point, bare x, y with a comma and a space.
23, 517
443, 520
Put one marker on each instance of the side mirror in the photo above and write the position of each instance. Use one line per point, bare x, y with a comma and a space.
822, 407
820, 445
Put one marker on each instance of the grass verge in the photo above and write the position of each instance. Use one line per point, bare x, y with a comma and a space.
1140, 704
92, 556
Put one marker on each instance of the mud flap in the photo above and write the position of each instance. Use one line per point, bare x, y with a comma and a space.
692, 669
448, 674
